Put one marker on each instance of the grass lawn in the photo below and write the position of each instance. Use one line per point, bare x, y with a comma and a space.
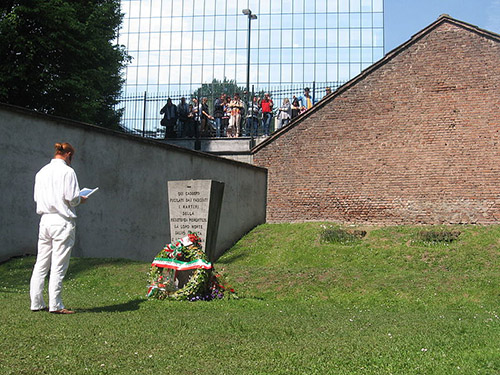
387, 303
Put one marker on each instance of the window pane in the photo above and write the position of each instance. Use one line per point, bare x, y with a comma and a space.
321, 55
321, 6
263, 73
355, 38
276, 39
332, 73
231, 22
355, 69
344, 72
321, 38
343, 55
355, 20
343, 5
332, 54
343, 38
286, 55
286, 21
321, 20
344, 20
264, 21
320, 74
355, 54
298, 21
378, 37
378, 5
366, 37
286, 40
263, 56
366, 20
309, 55
378, 20
367, 55
331, 20
275, 70
355, 6
186, 57
298, 55
286, 73
366, 5
332, 37
298, 72
309, 72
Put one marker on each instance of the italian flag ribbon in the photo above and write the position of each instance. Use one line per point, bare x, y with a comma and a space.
179, 265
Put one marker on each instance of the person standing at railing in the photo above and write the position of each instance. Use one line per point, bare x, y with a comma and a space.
236, 105
183, 112
252, 125
169, 112
206, 128
219, 114
197, 117
284, 113
306, 101
226, 116
295, 107
190, 122
266, 106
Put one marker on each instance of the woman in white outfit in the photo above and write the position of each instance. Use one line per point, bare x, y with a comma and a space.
284, 113
56, 195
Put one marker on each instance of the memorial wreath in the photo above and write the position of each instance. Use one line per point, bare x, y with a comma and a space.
184, 255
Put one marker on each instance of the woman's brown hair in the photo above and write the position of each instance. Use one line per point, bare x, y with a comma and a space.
63, 148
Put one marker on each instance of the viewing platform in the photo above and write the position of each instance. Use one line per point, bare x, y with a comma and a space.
232, 148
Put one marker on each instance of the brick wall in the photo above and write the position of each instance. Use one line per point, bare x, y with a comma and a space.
414, 139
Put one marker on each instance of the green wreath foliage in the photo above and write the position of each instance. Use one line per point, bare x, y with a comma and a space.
161, 280
203, 284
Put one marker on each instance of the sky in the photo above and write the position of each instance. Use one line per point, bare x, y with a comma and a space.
404, 18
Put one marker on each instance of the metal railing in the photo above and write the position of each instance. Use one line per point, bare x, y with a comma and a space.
141, 111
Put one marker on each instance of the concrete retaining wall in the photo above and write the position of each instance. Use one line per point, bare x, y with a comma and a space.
128, 216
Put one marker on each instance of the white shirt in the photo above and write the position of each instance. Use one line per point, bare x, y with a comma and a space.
57, 190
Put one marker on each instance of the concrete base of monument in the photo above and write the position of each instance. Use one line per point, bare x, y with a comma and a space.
182, 278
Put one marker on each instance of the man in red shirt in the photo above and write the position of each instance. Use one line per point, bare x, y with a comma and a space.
266, 105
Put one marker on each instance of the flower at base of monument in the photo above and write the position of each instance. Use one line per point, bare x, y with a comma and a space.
193, 237
204, 284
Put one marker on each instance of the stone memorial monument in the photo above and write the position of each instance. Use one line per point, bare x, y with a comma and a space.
195, 206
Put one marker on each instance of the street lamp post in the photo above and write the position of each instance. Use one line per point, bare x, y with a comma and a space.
251, 16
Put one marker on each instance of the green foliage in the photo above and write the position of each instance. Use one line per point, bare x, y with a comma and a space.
437, 236
338, 235
216, 88
58, 57
384, 304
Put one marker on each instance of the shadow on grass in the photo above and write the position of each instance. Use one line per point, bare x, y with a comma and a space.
121, 307
82, 265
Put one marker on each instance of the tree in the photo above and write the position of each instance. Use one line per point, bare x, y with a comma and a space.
58, 57
216, 88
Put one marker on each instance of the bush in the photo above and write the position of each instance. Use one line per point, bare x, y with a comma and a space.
339, 235
438, 236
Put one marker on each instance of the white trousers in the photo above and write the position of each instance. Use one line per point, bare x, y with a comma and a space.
56, 238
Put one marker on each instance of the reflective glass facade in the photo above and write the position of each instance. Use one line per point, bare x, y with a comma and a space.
177, 45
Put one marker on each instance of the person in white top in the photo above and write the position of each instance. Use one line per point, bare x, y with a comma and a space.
56, 195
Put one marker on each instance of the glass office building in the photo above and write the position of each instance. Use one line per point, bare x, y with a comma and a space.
178, 45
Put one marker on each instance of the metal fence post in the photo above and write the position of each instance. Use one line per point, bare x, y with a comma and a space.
144, 116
